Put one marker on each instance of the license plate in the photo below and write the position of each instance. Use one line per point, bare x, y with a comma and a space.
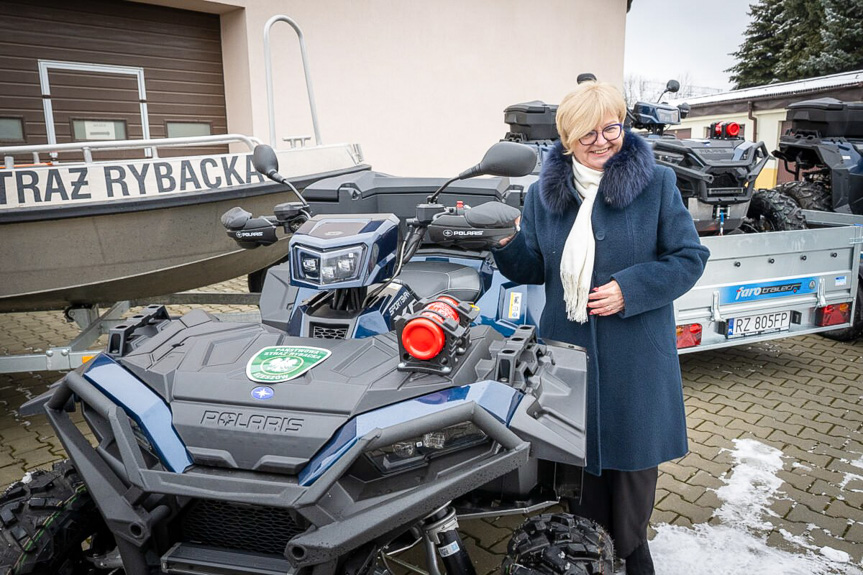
757, 324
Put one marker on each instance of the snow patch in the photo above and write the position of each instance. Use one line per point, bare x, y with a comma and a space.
738, 544
835, 555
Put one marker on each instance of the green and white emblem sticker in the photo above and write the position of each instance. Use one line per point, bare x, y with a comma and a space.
284, 362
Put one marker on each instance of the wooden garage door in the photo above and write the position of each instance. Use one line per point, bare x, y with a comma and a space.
179, 51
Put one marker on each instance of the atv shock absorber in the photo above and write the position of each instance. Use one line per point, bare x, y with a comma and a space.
441, 529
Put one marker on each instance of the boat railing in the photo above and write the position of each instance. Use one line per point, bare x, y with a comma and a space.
152, 144
268, 69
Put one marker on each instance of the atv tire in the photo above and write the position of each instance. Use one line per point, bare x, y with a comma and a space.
809, 196
44, 522
559, 544
773, 211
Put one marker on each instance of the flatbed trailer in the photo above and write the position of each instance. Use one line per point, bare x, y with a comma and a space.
765, 286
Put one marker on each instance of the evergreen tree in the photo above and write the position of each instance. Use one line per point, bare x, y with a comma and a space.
801, 25
842, 38
758, 56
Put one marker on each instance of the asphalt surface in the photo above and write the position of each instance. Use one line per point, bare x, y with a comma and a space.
803, 396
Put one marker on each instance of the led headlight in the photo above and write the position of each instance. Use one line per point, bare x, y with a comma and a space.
325, 268
416, 450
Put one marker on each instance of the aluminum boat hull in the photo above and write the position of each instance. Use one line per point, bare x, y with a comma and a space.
54, 257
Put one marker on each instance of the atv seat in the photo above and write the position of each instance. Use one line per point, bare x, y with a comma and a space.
431, 278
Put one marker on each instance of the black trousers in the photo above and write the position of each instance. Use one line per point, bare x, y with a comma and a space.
620, 501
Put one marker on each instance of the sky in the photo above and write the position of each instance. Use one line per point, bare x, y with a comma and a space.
666, 39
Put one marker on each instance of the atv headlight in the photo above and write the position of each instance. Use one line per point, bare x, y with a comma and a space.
417, 450
324, 268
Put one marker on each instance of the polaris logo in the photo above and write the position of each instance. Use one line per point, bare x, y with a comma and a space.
249, 234
743, 292
252, 422
450, 233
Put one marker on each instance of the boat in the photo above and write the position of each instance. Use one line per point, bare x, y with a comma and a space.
82, 233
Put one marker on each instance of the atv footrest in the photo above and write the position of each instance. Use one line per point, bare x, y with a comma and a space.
188, 558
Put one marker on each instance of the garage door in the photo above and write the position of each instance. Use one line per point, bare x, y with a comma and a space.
178, 53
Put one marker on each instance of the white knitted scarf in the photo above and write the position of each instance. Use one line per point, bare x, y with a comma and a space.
576, 267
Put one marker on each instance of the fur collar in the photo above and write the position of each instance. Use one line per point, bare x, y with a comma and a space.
626, 174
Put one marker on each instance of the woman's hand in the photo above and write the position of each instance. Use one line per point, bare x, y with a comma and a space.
606, 299
506, 240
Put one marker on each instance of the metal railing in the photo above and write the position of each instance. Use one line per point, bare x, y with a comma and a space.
268, 68
87, 147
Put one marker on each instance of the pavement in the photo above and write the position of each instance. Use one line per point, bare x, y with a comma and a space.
802, 396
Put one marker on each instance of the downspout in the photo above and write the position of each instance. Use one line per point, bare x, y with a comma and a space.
754, 122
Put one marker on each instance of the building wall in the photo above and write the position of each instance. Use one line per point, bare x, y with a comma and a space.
420, 85
178, 51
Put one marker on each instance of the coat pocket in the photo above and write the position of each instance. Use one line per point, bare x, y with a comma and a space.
659, 326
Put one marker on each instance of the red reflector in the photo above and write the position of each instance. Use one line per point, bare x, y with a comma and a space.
688, 335
423, 337
732, 129
717, 129
833, 314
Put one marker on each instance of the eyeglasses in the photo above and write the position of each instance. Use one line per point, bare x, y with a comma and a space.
611, 132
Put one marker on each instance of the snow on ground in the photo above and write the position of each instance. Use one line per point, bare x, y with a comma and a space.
738, 543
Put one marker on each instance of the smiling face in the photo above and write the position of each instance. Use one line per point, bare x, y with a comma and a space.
595, 155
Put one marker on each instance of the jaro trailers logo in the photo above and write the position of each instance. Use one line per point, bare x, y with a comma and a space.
767, 290
64, 186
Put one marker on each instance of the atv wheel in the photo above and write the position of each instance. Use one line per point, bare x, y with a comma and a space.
809, 195
45, 522
856, 329
773, 211
559, 544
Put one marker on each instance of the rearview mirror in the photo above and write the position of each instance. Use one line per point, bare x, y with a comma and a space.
264, 159
506, 159
672, 86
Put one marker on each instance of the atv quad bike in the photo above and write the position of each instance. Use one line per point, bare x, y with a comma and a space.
716, 175
824, 150
380, 414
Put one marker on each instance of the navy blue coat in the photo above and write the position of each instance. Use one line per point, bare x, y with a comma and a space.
646, 240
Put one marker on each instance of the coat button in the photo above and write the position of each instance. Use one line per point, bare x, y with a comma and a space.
600, 234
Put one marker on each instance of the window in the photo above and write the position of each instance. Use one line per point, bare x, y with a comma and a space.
12, 130
98, 130
187, 129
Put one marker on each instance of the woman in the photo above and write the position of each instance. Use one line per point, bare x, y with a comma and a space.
606, 231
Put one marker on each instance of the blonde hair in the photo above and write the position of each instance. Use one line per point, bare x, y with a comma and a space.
585, 107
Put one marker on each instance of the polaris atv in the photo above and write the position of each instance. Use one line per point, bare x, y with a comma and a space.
824, 150
716, 175
376, 417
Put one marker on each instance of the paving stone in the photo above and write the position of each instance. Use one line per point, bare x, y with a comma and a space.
659, 517
803, 514
38, 458
805, 454
736, 413
822, 539
10, 474
841, 510
690, 493
854, 534
694, 513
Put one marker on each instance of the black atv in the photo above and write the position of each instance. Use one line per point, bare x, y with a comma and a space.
235, 448
716, 175
824, 150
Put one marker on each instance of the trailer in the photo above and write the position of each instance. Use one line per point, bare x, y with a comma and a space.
758, 287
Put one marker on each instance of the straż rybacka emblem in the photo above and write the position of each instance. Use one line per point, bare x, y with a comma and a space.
284, 362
